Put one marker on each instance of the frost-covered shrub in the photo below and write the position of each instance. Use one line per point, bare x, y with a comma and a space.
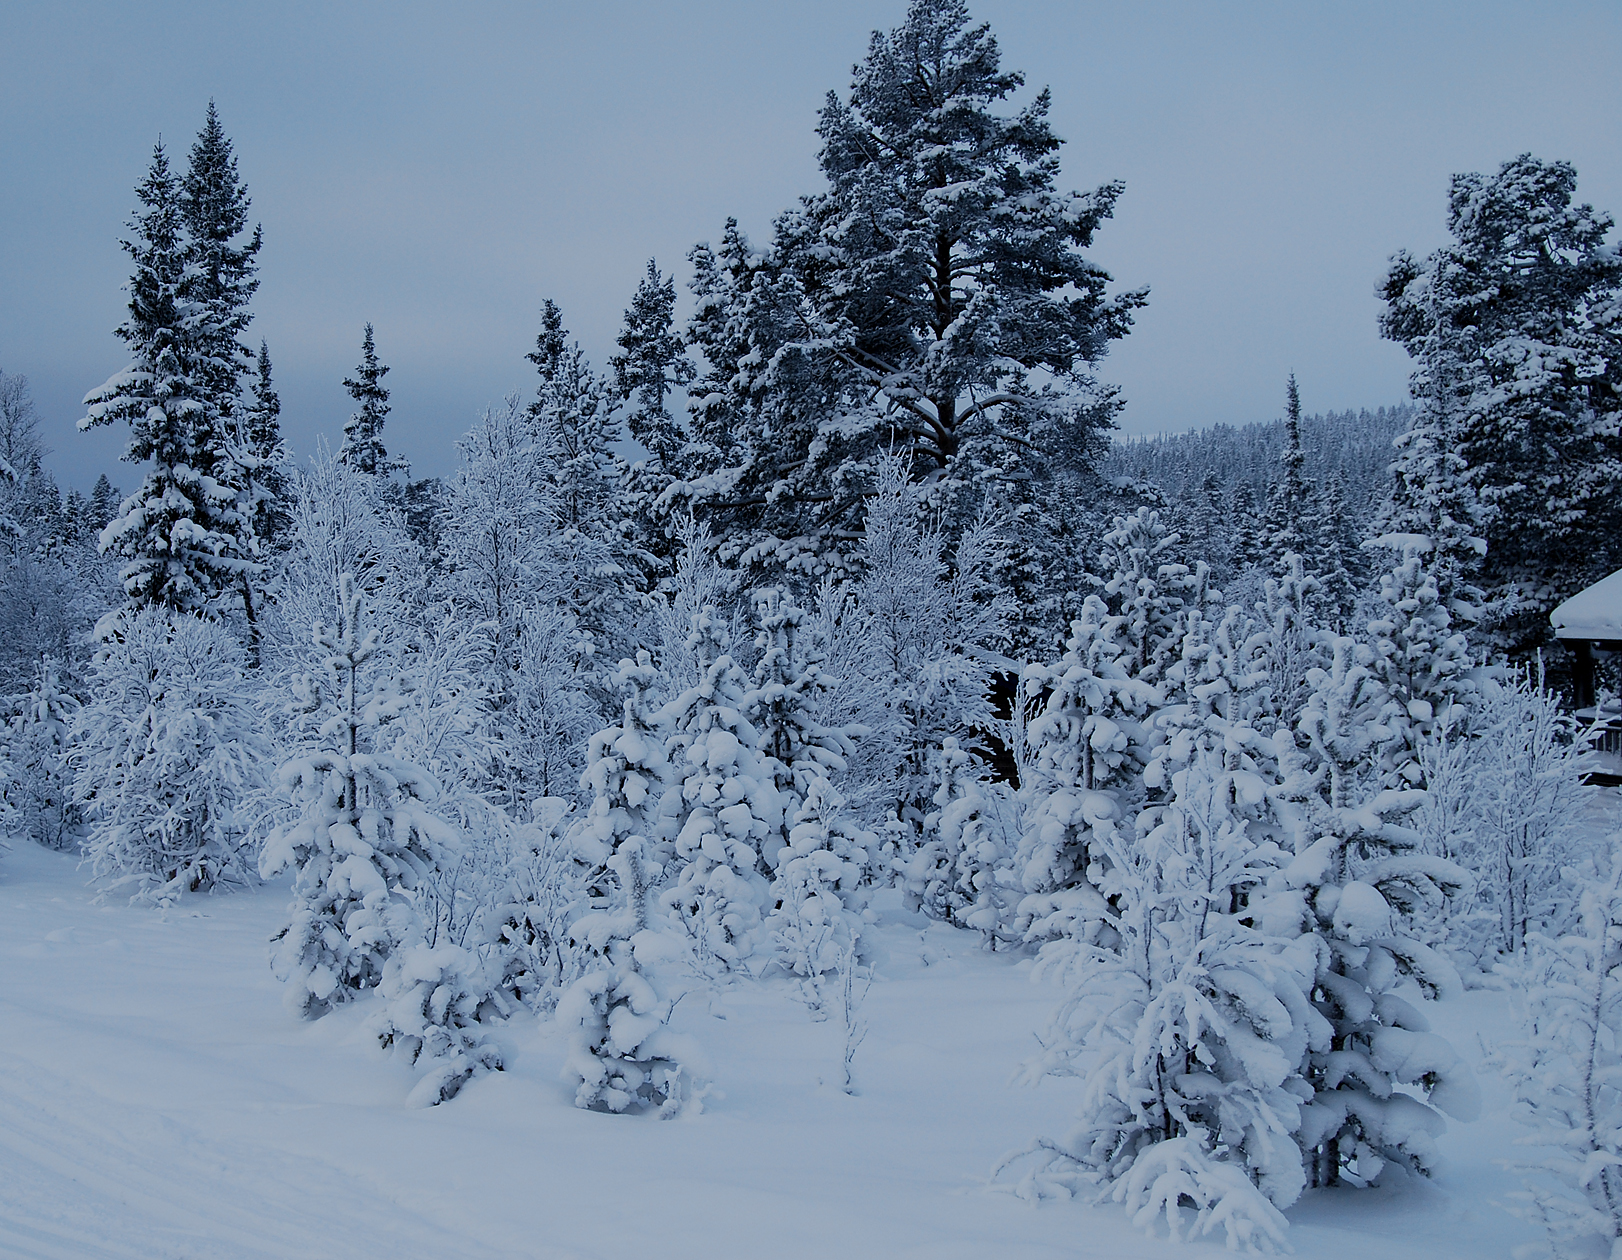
1567, 1071
364, 836
164, 753
1530, 758
40, 787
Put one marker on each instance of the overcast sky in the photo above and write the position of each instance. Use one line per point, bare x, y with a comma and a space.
441, 169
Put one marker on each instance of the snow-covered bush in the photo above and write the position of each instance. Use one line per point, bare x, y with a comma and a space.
164, 753
1567, 1071
542, 892
40, 787
963, 872
436, 1001
363, 837
819, 897
622, 1053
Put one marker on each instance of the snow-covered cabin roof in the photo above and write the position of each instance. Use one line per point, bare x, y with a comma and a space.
1594, 613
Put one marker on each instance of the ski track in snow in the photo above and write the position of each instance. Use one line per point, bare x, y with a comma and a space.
158, 1100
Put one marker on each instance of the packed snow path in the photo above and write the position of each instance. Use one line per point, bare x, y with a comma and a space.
157, 1099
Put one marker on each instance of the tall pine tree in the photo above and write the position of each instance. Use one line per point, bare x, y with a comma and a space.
1518, 371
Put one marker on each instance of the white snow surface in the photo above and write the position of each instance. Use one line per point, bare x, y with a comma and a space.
1592, 613
158, 1099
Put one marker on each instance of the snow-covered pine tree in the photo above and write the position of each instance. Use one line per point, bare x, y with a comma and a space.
721, 806
362, 447
1359, 882
41, 790
1291, 641
1422, 659
890, 313
1567, 1069
363, 837
184, 533
593, 566
622, 1055
652, 361
1339, 559
1190, 1028
1518, 367
165, 751
1089, 744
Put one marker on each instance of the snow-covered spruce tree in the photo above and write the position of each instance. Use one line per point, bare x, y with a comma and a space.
363, 837
964, 871
1518, 368
819, 896
266, 465
1150, 590
1089, 745
41, 789
1531, 759
904, 307
1291, 641
362, 447
785, 708
1355, 887
721, 807
930, 626
593, 566
1191, 1027
1567, 1072
1422, 658
214, 206
652, 361
185, 534
622, 1055
1290, 498
164, 752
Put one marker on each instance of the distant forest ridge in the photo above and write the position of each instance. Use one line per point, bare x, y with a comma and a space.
1354, 444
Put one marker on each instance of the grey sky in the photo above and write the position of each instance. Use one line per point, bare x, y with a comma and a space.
440, 169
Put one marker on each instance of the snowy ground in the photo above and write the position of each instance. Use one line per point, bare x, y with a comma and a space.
156, 1099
